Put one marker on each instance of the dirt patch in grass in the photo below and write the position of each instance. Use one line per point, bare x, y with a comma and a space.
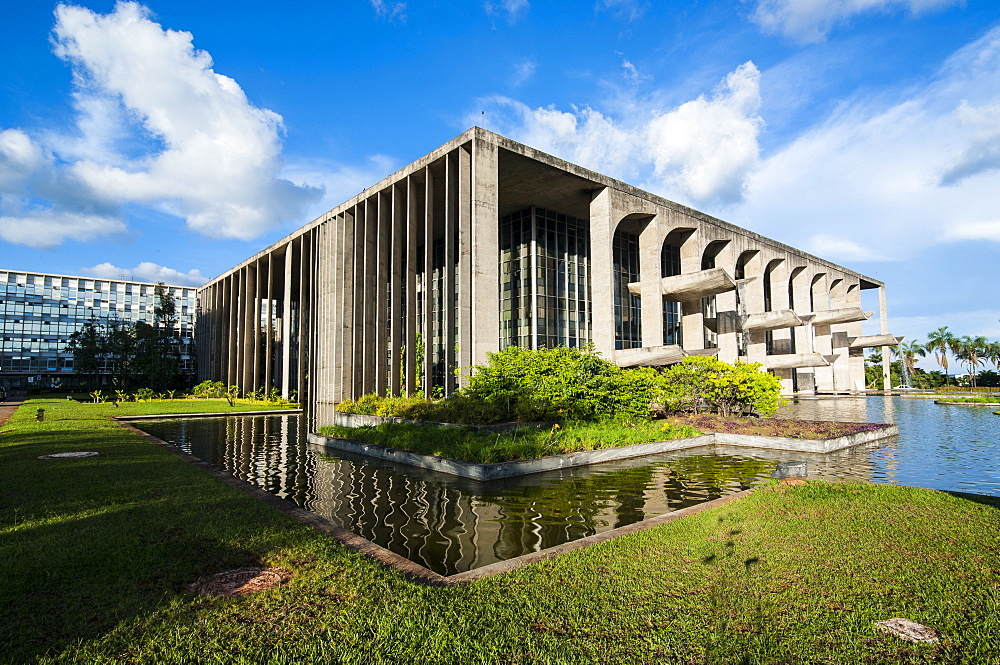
795, 429
241, 582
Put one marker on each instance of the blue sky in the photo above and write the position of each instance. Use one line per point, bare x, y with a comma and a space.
171, 140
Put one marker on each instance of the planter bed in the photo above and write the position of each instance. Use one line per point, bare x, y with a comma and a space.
951, 402
486, 472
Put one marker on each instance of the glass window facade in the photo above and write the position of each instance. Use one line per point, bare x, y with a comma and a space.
628, 307
39, 313
544, 279
670, 265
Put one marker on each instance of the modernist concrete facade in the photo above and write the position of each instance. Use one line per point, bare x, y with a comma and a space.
486, 242
40, 311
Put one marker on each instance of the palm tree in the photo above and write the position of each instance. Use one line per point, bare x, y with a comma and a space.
907, 352
972, 351
993, 353
940, 342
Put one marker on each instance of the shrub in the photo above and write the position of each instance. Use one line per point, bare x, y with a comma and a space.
729, 389
561, 383
208, 389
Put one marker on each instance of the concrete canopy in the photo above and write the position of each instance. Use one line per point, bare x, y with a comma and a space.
690, 286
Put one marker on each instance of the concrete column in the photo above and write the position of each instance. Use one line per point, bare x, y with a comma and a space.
286, 325
398, 274
345, 303
410, 332
448, 319
602, 229
692, 318
358, 293
466, 292
752, 297
883, 316
382, 272
428, 331
650, 248
485, 227
269, 330
233, 295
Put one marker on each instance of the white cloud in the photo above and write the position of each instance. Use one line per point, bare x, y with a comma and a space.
44, 229
155, 125
699, 152
148, 272
514, 9
809, 21
706, 148
391, 11
885, 178
974, 231
523, 71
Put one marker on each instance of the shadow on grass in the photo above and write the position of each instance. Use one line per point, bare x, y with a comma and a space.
993, 501
73, 577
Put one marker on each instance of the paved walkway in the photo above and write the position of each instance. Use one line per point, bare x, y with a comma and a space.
9, 406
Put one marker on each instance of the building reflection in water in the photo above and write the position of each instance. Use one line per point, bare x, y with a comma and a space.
452, 524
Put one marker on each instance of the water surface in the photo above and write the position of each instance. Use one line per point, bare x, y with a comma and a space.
452, 525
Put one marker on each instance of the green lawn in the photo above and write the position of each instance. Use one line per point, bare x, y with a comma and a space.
97, 552
990, 400
484, 447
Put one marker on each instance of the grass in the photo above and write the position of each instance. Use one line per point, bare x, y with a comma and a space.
96, 554
797, 429
483, 447
971, 400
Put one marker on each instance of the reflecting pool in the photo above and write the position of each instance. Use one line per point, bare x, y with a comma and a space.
451, 525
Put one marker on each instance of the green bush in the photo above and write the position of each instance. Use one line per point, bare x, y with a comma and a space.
561, 383
209, 389
705, 382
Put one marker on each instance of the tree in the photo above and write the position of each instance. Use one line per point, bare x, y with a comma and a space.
972, 351
87, 344
940, 342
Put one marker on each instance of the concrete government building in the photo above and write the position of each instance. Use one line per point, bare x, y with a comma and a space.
486, 243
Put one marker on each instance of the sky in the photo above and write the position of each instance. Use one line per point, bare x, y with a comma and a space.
171, 140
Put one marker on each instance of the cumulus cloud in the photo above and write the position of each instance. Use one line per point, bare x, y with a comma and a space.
705, 148
148, 272
44, 229
700, 152
155, 125
895, 178
809, 21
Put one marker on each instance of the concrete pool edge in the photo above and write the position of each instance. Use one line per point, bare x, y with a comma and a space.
410, 569
488, 472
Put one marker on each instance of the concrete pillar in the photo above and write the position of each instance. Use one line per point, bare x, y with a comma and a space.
485, 241
650, 248
412, 237
883, 317
286, 325
382, 272
428, 332
398, 274
602, 228
269, 330
466, 293
345, 304
449, 293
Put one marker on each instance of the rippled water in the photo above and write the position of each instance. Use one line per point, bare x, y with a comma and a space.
940, 446
452, 525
